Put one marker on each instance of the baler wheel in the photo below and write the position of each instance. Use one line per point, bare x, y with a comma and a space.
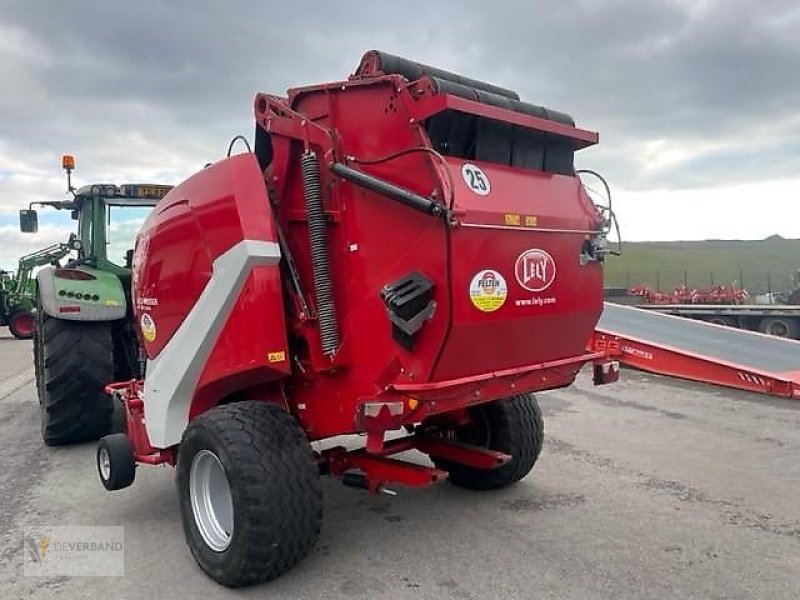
511, 425
115, 461
73, 362
250, 492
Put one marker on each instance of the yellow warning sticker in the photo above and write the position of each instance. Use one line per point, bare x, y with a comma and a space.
512, 219
148, 326
274, 357
488, 290
531, 221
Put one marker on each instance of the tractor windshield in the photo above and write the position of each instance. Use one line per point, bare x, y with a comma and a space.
122, 226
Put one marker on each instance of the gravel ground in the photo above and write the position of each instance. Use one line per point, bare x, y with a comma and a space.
650, 488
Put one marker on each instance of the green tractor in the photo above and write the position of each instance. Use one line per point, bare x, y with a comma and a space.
83, 331
18, 290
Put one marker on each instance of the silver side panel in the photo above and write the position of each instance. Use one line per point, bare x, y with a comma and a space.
172, 376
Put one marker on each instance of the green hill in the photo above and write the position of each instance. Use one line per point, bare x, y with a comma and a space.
756, 265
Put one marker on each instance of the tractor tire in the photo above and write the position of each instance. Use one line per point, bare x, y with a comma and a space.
250, 492
779, 326
38, 355
73, 362
21, 324
512, 425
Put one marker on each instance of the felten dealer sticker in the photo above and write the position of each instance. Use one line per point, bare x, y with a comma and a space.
148, 327
488, 290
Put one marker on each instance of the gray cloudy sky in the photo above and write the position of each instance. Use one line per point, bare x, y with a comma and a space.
697, 102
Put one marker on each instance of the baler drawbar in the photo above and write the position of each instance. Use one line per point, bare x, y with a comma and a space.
408, 250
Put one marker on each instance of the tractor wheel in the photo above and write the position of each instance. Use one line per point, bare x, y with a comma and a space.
250, 492
779, 326
511, 425
21, 324
38, 355
73, 363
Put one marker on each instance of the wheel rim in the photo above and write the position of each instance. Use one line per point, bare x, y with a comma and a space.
24, 324
104, 464
211, 499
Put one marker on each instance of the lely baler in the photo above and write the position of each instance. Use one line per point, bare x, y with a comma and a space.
406, 251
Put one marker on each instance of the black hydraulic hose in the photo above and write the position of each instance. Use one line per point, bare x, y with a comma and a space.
318, 234
395, 192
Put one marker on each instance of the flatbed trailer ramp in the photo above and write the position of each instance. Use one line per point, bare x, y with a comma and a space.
700, 351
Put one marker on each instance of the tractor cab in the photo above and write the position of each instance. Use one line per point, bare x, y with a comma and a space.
108, 217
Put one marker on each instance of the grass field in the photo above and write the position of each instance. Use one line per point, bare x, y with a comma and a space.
756, 265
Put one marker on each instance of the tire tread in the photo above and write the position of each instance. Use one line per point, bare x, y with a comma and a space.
77, 362
279, 484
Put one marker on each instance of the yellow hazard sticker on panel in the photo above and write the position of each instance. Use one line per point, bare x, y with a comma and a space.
512, 219
488, 290
274, 357
531, 221
148, 326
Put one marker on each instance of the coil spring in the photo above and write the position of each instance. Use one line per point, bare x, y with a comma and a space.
318, 237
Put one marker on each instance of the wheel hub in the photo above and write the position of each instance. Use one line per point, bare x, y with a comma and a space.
211, 499
104, 463
24, 324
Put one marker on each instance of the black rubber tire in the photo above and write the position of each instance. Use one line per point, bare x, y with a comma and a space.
512, 425
275, 486
74, 361
14, 322
38, 355
122, 462
779, 326
722, 320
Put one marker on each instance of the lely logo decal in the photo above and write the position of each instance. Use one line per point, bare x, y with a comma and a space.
535, 270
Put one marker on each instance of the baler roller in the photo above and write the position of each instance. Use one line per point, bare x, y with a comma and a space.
375, 63
445, 86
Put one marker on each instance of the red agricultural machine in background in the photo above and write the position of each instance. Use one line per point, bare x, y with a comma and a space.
406, 251
718, 294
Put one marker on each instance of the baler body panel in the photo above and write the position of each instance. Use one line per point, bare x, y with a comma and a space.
208, 290
549, 299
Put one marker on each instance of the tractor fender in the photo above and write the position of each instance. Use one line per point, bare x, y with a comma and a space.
96, 296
